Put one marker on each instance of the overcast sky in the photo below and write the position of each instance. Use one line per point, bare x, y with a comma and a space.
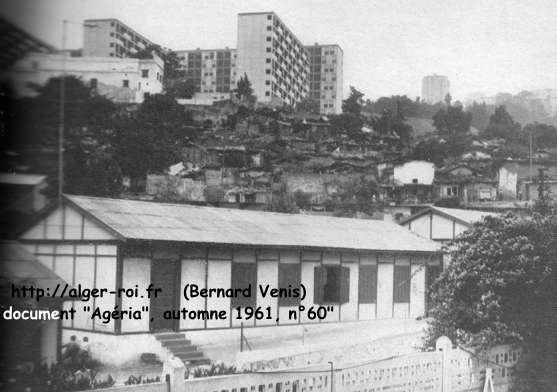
482, 46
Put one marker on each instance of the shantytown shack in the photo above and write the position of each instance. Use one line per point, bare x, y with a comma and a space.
366, 269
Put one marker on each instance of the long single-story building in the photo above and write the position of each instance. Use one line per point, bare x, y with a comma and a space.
25, 338
365, 269
443, 224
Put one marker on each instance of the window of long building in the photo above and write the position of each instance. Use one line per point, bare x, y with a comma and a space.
331, 284
402, 283
290, 276
243, 275
367, 283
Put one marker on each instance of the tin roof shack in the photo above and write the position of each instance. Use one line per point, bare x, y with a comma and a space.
22, 192
409, 182
364, 269
27, 341
514, 173
442, 224
465, 184
530, 190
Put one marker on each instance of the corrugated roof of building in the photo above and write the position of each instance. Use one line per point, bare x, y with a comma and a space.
141, 220
466, 216
469, 216
18, 266
21, 179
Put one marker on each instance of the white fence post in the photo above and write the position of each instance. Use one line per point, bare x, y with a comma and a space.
445, 345
488, 385
174, 368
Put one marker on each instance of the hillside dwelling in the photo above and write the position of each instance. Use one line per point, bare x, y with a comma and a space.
122, 80
514, 173
365, 269
414, 172
31, 341
530, 190
22, 192
464, 183
442, 224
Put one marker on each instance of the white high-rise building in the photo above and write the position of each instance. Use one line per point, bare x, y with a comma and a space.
124, 80
213, 71
325, 77
111, 38
272, 57
434, 88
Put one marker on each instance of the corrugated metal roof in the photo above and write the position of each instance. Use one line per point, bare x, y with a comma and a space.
21, 179
142, 220
469, 216
465, 216
19, 266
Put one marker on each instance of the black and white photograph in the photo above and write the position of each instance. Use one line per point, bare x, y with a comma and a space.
278, 196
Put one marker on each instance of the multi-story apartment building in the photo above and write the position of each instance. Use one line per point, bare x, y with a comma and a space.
325, 77
111, 38
213, 71
121, 80
272, 57
434, 88
16, 43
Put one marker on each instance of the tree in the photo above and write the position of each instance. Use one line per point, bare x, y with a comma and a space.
543, 135
172, 67
395, 104
308, 105
174, 82
480, 113
453, 124
431, 150
348, 122
356, 195
452, 121
282, 201
448, 99
394, 122
88, 126
302, 199
180, 88
244, 91
499, 288
152, 140
501, 125
354, 103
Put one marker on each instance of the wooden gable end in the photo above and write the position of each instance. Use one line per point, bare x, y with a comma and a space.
68, 223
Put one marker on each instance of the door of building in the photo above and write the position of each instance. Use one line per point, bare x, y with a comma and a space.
165, 275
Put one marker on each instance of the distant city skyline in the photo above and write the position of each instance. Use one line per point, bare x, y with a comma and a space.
487, 48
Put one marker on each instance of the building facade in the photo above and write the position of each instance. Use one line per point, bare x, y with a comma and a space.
16, 43
435, 88
213, 71
443, 224
120, 80
272, 57
111, 38
27, 341
364, 269
325, 77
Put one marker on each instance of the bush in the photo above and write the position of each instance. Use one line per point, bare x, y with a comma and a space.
499, 288
218, 369
133, 380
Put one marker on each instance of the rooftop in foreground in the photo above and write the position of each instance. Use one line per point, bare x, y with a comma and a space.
143, 220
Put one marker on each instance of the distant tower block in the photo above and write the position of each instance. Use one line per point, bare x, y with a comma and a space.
434, 88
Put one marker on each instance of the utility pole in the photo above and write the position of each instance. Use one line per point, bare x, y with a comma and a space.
541, 185
61, 116
530, 149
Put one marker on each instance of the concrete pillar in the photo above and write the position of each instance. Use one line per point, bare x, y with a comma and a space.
174, 370
445, 345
